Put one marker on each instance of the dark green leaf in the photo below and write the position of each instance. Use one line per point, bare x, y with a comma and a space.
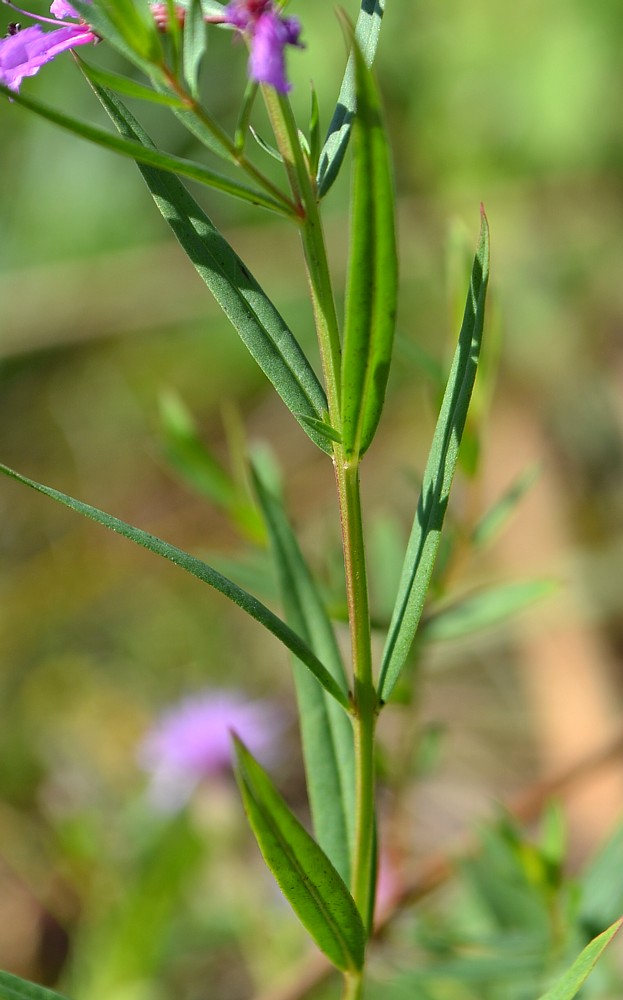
201, 570
144, 154
260, 326
442, 458
326, 730
308, 880
575, 977
372, 272
367, 31
16, 988
484, 609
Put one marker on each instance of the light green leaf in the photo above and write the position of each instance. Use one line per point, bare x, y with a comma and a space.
260, 326
195, 40
308, 880
372, 272
575, 977
147, 155
367, 31
128, 87
442, 459
16, 988
201, 570
326, 730
128, 27
483, 609
496, 518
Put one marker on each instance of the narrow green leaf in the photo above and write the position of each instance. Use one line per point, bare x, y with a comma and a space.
442, 459
16, 988
496, 518
265, 146
259, 325
484, 609
327, 733
128, 27
147, 155
201, 570
367, 30
195, 39
575, 977
372, 272
128, 87
244, 115
322, 427
308, 880
314, 133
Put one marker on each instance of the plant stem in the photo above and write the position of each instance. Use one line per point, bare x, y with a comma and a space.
353, 986
364, 695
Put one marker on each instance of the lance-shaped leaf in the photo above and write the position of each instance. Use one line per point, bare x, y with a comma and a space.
195, 40
483, 609
569, 986
372, 273
148, 155
16, 988
326, 730
308, 880
367, 31
198, 568
442, 458
260, 326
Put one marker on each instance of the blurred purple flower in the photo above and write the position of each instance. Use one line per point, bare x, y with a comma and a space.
25, 50
268, 33
192, 741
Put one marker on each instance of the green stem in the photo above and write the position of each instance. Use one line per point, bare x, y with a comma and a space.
364, 695
229, 146
353, 986
365, 700
303, 190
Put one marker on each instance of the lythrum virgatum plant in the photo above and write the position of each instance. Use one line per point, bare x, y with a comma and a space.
328, 877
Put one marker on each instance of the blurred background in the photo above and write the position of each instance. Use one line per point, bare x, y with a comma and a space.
110, 345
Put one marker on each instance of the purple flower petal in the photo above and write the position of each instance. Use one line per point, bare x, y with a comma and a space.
24, 53
267, 61
62, 9
192, 741
269, 34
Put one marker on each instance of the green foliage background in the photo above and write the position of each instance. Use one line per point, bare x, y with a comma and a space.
100, 314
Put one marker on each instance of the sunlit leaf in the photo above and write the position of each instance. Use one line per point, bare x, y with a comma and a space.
146, 155
308, 880
16, 988
484, 609
195, 40
440, 467
326, 730
570, 984
257, 321
372, 272
367, 31
204, 572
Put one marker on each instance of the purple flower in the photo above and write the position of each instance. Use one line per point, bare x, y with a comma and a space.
192, 741
24, 51
268, 33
